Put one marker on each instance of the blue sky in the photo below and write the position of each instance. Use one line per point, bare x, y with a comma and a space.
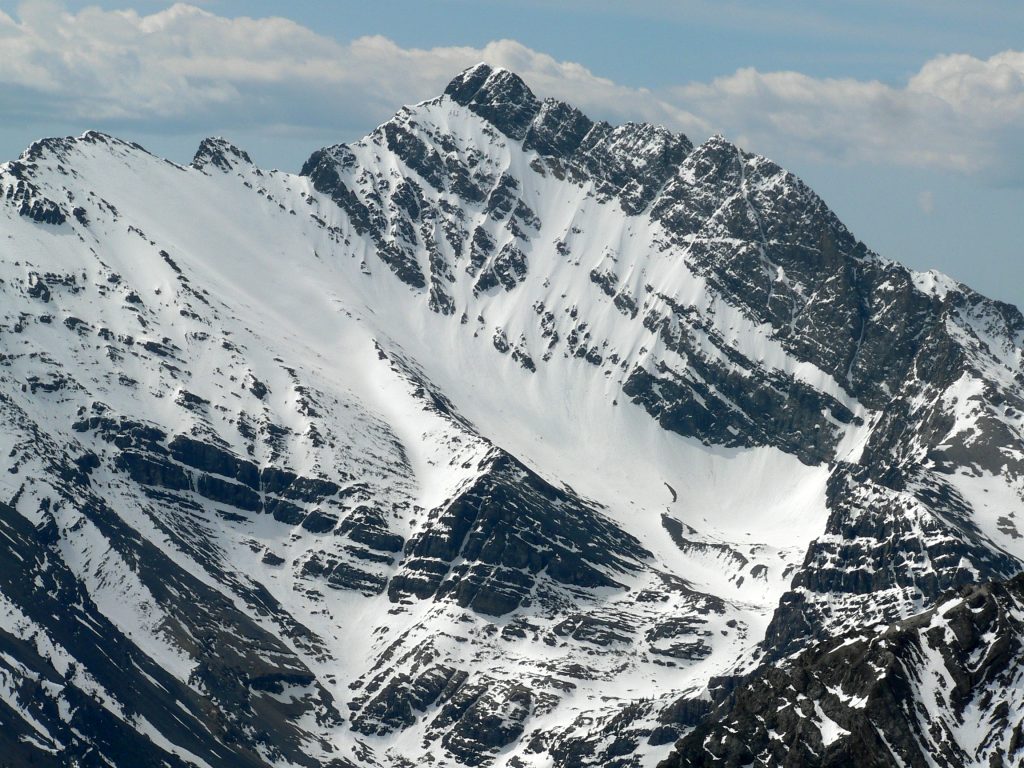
906, 116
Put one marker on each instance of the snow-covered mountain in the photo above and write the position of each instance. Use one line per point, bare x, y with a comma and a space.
500, 437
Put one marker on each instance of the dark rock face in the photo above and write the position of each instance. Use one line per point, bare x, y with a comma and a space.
499, 96
220, 154
29, 200
482, 719
507, 270
236, 661
752, 407
474, 719
35, 580
631, 162
932, 690
487, 547
338, 574
558, 130
396, 705
883, 550
323, 168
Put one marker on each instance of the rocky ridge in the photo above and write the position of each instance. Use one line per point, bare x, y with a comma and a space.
941, 688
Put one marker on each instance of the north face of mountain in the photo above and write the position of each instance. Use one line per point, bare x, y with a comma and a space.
501, 436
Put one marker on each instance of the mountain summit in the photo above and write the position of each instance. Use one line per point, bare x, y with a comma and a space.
499, 437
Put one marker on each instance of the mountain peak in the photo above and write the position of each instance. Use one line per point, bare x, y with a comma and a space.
61, 146
498, 95
220, 153
469, 81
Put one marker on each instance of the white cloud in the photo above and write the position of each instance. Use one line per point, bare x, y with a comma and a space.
185, 63
188, 69
958, 112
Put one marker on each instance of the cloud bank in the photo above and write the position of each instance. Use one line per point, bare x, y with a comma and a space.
186, 69
957, 112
